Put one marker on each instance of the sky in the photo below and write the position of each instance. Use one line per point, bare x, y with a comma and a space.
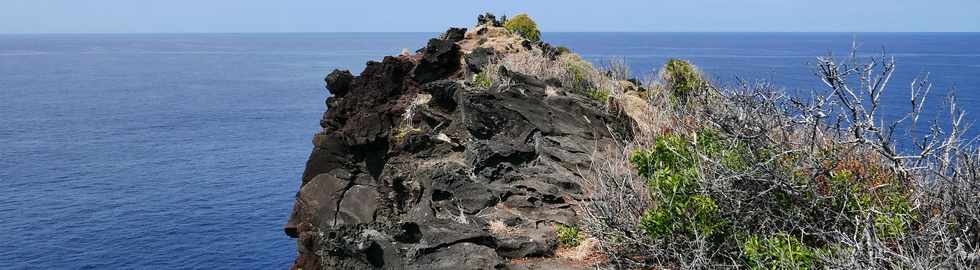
210, 16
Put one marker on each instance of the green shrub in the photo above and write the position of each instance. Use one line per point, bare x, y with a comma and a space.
657, 222
482, 80
599, 95
577, 70
523, 25
670, 151
888, 206
892, 213
732, 153
567, 235
778, 251
563, 50
673, 178
682, 79
579, 75
704, 215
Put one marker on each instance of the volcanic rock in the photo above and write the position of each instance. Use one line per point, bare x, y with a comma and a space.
412, 165
338, 82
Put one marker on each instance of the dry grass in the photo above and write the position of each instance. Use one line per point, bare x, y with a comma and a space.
587, 251
497, 227
407, 126
572, 71
488, 36
618, 69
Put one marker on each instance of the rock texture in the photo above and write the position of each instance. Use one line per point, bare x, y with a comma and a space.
415, 169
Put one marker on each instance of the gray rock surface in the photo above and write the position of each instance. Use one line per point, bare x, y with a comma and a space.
413, 167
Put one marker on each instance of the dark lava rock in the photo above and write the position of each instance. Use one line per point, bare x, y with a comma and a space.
479, 58
438, 233
412, 167
548, 50
525, 246
452, 182
462, 256
338, 82
440, 59
379, 87
489, 18
454, 34
443, 93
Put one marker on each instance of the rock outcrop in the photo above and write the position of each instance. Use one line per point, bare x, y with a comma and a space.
417, 169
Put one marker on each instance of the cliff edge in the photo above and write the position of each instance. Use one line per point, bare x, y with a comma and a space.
420, 165
488, 149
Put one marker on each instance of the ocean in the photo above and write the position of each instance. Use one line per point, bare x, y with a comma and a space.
177, 151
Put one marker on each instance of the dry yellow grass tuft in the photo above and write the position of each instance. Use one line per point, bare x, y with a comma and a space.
488, 36
497, 227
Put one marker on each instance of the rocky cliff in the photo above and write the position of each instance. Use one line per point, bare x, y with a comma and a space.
417, 167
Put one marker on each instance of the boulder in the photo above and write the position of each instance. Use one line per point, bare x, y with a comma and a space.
479, 58
454, 34
338, 82
440, 59
443, 93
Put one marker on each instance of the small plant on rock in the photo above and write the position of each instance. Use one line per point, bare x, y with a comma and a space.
567, 235
482, 80
599, 95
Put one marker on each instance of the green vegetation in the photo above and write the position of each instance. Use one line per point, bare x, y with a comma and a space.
683, 79
674, 174
577, 70
582, 77
673, 179
574, 74
401, 133
778, 251
482, 80
887, 205
524, 26
732, 154
567, 235
745, 177
599, 95
563, 50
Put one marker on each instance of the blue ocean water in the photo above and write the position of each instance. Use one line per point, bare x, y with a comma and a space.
163, 151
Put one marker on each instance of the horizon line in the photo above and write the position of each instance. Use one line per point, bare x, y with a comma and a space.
543, 32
